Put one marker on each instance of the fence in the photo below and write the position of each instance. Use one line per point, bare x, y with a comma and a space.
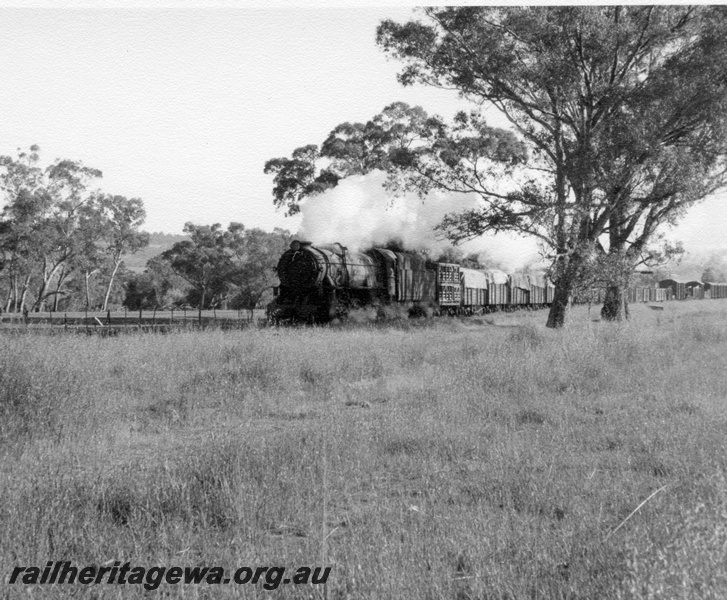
115, 322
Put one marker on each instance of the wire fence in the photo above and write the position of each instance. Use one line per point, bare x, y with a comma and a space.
125, 321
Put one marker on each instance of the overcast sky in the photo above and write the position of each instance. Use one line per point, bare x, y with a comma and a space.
182, 106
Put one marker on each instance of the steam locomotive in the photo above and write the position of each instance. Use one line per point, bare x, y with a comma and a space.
321, 283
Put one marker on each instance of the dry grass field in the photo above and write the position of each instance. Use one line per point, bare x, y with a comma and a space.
455, 459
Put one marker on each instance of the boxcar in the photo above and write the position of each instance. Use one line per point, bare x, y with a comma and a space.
678, 288
519, 289
695, 289
498, 287
474, 290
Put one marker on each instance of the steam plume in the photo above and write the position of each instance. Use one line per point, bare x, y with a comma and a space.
360, 214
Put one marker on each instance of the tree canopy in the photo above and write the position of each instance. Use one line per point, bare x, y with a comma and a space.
622, 110
349, 149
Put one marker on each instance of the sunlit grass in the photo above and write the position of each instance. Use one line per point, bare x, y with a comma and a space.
459, 459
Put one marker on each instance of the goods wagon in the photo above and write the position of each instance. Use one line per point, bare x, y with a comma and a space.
541, 290
677, 288
646, 294
519, 289
474, 290
449, 286
715, 290
498, 285
695, 289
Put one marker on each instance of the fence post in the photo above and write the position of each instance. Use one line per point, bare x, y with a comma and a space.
85, 319
108, 317
140, 318
154, 318
65, 321
172, 318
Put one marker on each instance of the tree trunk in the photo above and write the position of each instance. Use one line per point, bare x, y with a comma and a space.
45, 282
23, 295
559, 308
568, 271
16, 294
111, 282
11, 292
61, 279
616, 304
39, 305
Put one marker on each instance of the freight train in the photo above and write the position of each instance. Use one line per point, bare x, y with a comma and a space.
320, 283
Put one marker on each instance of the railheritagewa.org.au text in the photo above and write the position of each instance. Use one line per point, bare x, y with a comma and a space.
64, 572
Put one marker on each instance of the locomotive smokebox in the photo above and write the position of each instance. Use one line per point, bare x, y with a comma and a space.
298, 267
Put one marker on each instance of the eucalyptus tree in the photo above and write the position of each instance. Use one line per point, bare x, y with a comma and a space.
349, 149
622, 110
158, 286
21, 184
298, 177
121, 234
71, 227
54, 226
50, 220
203, 262
254, 254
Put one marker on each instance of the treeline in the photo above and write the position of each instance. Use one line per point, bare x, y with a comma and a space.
214, 268
63, 243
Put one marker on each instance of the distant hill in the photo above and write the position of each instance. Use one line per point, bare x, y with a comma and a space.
158, 243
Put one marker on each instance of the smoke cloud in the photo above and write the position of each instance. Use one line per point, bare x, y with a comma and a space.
360, 214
